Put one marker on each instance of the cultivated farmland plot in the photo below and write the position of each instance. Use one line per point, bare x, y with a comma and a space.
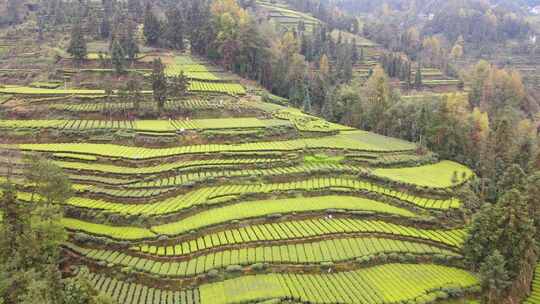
329, 215
194, 86
155, 126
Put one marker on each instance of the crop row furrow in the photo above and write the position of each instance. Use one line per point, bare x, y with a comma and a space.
333, 250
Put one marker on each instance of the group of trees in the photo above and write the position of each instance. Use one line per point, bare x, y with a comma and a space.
11, 16
303, 66
328, 13
30, 237
491, 132
166, 87
477, 22
501, 244
170, 32
491, 129
398, 65
226, 32
441, 33
77, 44
123, 45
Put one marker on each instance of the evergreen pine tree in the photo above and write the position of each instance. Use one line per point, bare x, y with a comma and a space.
327, 110
307, 100
128, 41
409, 75
105, 28
12, 12
118, 58
159, 83
175, 29
355, 56
178, 85
494, 277
77, 45
455, 178
301, 26
481, 239
133, 88
152, 26
418, 77
296, 94
91, 22
135, 8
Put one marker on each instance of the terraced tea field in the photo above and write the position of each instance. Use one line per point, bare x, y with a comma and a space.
534, 297
288, 19
284, 208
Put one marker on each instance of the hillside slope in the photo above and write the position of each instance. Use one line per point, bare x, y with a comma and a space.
240, 201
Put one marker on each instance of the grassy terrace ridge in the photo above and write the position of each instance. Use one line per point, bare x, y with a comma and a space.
287, 117
216, 195
10, 89
146, 125
118, 232
190, 103
253, 209
308, 123
359, 286
354, 140
212, 196
194, 86
129, 292
297, 229
188, 178
241, 199
163, 167
534, 297
286, 16
370, 285
314, 252
439, 175
76, 157
301, 230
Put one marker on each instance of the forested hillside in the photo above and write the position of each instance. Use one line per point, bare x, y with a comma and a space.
269, 151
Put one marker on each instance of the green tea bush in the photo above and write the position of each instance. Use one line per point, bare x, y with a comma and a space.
233, 268
258, 266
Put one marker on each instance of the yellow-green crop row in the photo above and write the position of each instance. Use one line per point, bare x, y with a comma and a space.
194, 86
443, 174
212, 196
358, 140
9, 89
216, 87
133, 293
123, 233
145, 125
162, 167
390, 283
308, 123
301, 229
208, 196
261, 208
333, 250
534, 297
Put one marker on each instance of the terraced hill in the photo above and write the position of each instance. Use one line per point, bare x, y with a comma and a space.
234, 200
288, 19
